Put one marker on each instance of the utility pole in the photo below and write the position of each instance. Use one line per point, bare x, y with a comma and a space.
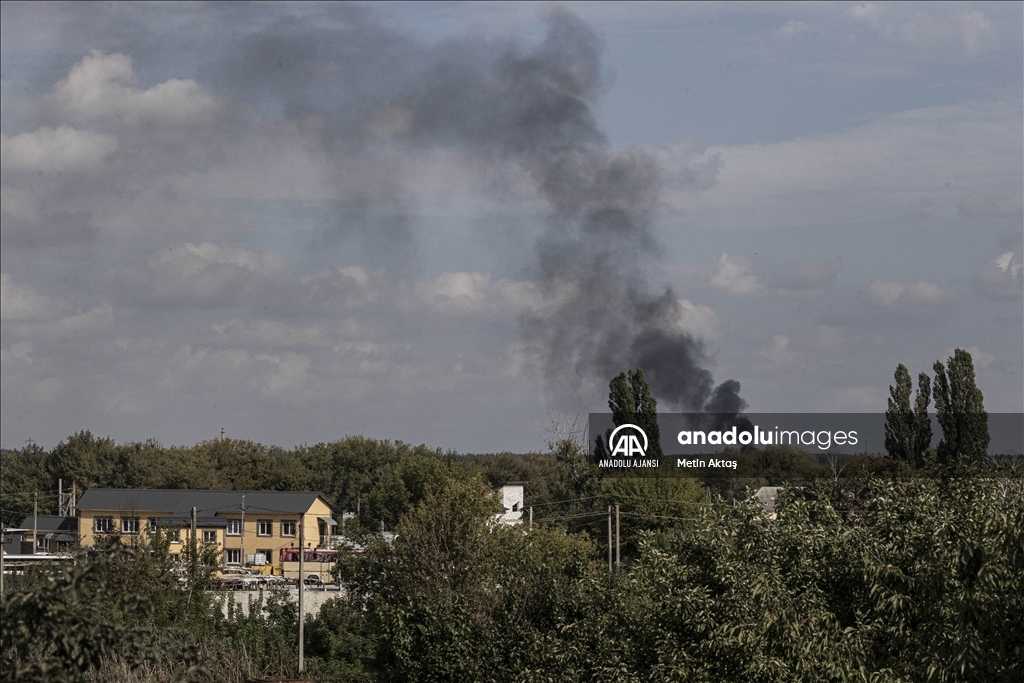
302, 566
609, 538
35, 521
192, 578
617, 557
241, 537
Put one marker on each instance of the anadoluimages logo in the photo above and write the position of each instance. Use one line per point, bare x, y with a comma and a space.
628, 444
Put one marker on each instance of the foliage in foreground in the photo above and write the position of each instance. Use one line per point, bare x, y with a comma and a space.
864, 578
924, 583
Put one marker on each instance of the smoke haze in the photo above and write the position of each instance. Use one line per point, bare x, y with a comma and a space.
500, 104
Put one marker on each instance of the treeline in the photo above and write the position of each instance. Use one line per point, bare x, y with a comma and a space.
355, 473
887, 580
380, 479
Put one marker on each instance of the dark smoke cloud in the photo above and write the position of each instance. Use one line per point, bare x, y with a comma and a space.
364, 85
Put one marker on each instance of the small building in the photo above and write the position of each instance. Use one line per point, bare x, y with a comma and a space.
247, 528
766, 496
511, 496
53, 533
14, 542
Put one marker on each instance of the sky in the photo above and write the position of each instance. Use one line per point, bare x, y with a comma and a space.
452, 223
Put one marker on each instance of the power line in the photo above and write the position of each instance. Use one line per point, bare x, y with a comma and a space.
559, 502
659, 500
586, 514
642, 514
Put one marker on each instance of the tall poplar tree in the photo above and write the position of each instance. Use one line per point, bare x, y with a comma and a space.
908, 430
899, 418
631, 402
922, 421
961, 411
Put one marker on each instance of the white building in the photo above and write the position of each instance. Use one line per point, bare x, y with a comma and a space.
511, 504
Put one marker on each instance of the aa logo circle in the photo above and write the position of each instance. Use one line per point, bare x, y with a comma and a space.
628, 441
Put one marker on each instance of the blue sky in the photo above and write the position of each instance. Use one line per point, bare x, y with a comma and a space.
301, 221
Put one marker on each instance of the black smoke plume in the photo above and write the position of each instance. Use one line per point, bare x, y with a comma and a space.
533, 108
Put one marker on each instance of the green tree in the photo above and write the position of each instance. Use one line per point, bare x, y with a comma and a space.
961, 412
899, 418
922, 421
631, 402
84, 459
908, 431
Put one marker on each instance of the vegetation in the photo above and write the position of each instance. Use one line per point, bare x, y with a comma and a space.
631, 402
960, 410
922, 580
904, 568
908, 431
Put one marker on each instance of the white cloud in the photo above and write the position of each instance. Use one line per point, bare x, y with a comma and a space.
970, 29
206, 271
891, 294
205, 360
87, 322
23, 302
31, 314
189, 260
1002, 277
870, 170
103, 86
290, 379
270, 333
740, 276
778, 353
688, 166
464, 293
793, 27
56, 150
458, 292
736, 275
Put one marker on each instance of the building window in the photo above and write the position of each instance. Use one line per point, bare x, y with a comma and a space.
209, 537
42, 544
129, 525
103, 525
152, 525
174, 535
233, 556
263, 556
288, 528
234, 527
264, 527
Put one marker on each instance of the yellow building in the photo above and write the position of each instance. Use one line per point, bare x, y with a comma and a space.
249, 528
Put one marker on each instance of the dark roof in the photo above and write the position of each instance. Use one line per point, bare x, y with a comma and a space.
179, 502
52, 523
